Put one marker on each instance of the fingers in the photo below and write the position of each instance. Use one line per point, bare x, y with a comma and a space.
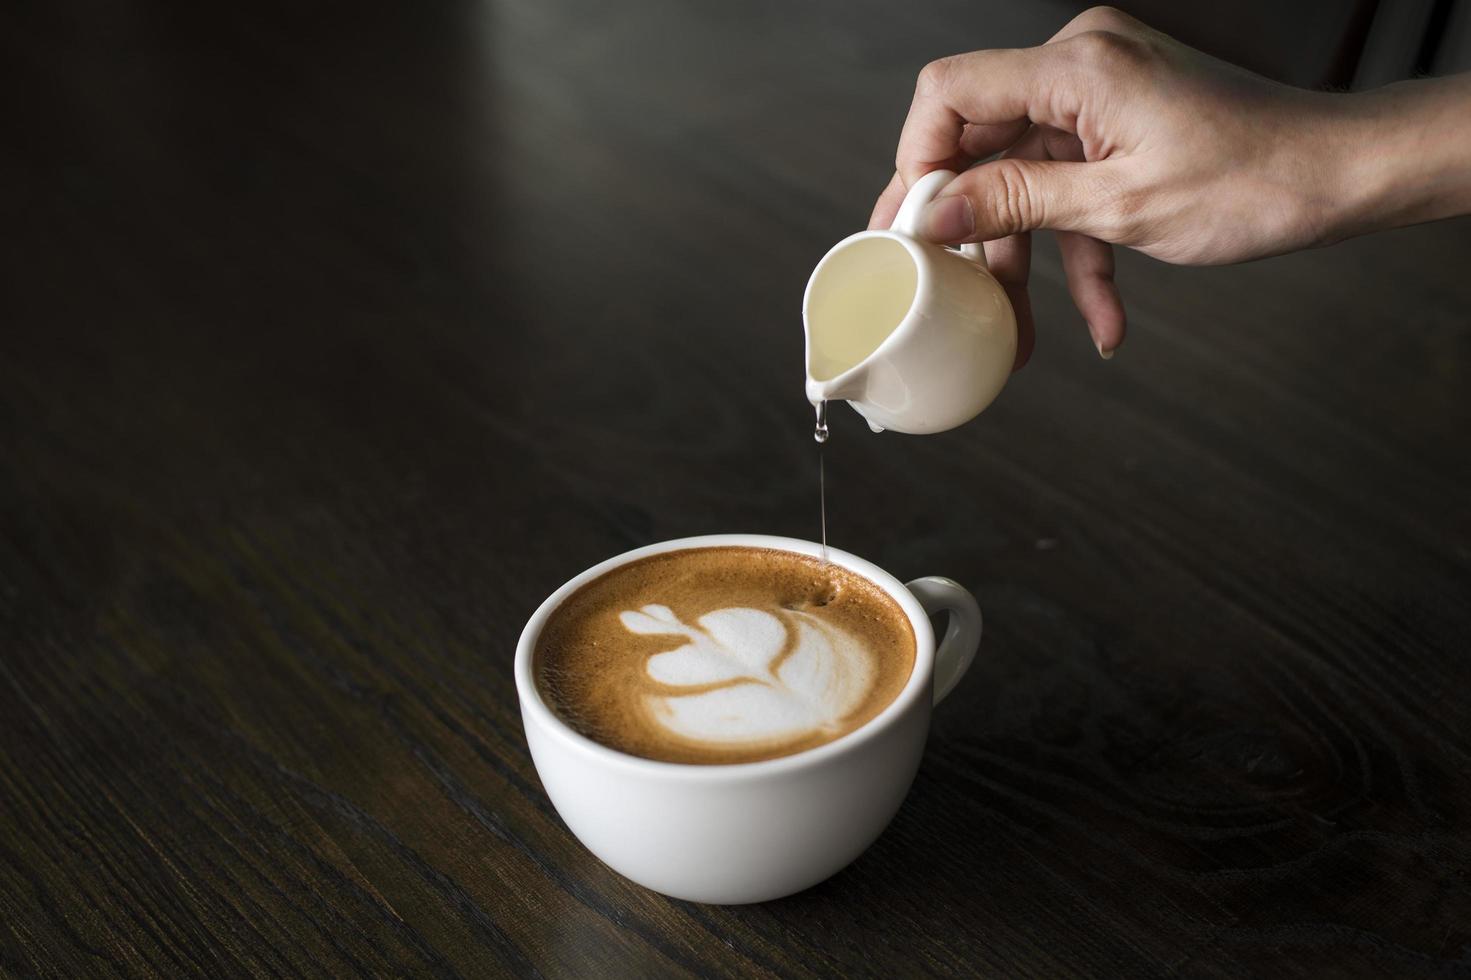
1087, 262
978, 140
1089, 267
954, 92
995, 94
1010, 196
975, 142
888, 204
1010, 260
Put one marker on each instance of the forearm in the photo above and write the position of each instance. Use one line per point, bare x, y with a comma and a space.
1407, 156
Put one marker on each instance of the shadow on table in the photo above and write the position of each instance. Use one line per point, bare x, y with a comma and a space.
1086, 793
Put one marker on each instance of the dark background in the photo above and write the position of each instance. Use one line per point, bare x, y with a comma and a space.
1338, 44
334, 337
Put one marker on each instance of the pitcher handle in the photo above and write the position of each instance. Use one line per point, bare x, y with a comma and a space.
906, 222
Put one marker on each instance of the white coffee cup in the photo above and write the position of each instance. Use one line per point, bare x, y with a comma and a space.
753, 831
916, 337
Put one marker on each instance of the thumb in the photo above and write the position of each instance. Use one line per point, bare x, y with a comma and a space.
1010, 196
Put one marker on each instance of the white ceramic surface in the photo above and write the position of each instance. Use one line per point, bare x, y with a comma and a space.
949, 357
752, 831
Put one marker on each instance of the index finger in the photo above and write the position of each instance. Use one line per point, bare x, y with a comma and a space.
888, 203
972, 105
975, 142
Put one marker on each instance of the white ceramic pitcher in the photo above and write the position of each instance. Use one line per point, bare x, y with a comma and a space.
916, 337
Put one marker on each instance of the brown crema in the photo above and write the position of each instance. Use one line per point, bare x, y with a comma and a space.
592, 670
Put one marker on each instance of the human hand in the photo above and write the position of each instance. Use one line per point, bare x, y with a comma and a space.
1114, 132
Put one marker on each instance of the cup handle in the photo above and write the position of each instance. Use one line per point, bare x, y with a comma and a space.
906, 222
962, 633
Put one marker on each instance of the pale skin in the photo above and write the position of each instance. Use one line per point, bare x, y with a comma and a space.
1112, 133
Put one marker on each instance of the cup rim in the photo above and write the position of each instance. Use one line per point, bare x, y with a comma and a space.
920, 683
905, 325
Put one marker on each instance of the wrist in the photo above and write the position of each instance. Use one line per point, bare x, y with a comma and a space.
1400, 155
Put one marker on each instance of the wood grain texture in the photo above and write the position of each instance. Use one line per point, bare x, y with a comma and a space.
334, 337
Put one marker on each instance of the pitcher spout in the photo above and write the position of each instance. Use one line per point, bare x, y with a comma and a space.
846, 387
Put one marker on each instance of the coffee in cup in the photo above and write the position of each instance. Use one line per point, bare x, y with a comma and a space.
723, 655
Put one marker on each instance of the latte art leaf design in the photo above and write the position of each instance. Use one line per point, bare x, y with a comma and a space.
778, 676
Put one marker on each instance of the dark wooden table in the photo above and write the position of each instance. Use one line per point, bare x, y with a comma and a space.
333, 337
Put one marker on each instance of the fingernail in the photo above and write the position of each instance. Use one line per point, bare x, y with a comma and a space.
1107, 355
948, 219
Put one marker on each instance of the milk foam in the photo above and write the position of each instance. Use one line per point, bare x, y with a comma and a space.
754, 675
